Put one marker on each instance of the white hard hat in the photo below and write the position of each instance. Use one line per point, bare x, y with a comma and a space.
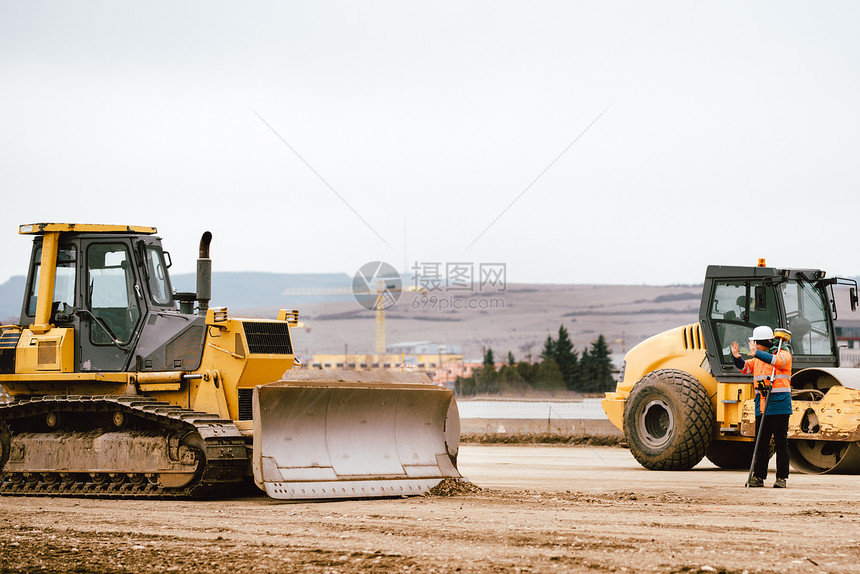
762, 333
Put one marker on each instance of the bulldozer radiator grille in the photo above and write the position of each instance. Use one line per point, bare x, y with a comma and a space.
268, 338
9, 339
246, 411
8, 342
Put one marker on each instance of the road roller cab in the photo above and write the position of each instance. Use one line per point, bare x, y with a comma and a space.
680, 397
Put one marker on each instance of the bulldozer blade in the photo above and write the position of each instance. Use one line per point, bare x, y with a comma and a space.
350, 434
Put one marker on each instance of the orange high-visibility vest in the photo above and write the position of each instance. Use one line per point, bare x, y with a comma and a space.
776, 376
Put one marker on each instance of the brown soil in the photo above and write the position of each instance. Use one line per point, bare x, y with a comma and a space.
698, 521
542, 438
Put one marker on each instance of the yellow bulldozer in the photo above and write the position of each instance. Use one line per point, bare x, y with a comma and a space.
121, 388
680, 398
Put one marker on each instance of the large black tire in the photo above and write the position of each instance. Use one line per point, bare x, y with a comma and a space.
731, 454
669, 420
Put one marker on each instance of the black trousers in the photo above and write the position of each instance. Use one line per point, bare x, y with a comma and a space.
775, 426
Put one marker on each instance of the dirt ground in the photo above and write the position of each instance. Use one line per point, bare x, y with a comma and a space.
541, 509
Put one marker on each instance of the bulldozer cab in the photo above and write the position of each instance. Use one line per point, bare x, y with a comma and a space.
138, 395
63, 302
735, 300
109, 286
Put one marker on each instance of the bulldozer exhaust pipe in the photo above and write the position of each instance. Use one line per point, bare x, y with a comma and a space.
204, 275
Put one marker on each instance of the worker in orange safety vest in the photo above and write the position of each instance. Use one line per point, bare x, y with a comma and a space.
770, 366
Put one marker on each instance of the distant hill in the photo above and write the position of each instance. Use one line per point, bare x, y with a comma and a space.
11, 298
236, 290
253, 290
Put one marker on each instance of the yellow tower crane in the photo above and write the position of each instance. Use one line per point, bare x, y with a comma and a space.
385, 298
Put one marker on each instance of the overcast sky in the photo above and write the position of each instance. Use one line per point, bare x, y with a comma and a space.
318, 136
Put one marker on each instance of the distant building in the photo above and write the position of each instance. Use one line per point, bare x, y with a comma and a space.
447, 374
848, 341
440, 362
848, 334
424, 348
427, 364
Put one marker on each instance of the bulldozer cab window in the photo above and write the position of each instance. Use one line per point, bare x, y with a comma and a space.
159, 282
806, 315
112, 292
737, 307
64, 284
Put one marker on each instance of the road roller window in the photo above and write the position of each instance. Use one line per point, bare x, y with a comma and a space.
737, 307
729, 311
806, 314
63, 304
112, 296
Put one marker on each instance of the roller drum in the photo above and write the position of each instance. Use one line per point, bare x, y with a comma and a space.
824, 430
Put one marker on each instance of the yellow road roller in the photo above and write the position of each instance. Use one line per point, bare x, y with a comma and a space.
680, 398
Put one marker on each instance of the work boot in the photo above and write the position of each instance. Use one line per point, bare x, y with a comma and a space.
780, 483
756, 482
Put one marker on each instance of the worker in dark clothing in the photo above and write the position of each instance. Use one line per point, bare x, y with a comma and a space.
770, 366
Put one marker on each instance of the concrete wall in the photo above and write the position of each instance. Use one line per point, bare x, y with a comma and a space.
521, 426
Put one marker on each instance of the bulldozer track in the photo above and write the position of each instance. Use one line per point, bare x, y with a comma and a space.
223, 460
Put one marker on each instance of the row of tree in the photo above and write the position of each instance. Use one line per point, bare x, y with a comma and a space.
560, 368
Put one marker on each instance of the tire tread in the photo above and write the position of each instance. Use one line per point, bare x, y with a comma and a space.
688, 449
